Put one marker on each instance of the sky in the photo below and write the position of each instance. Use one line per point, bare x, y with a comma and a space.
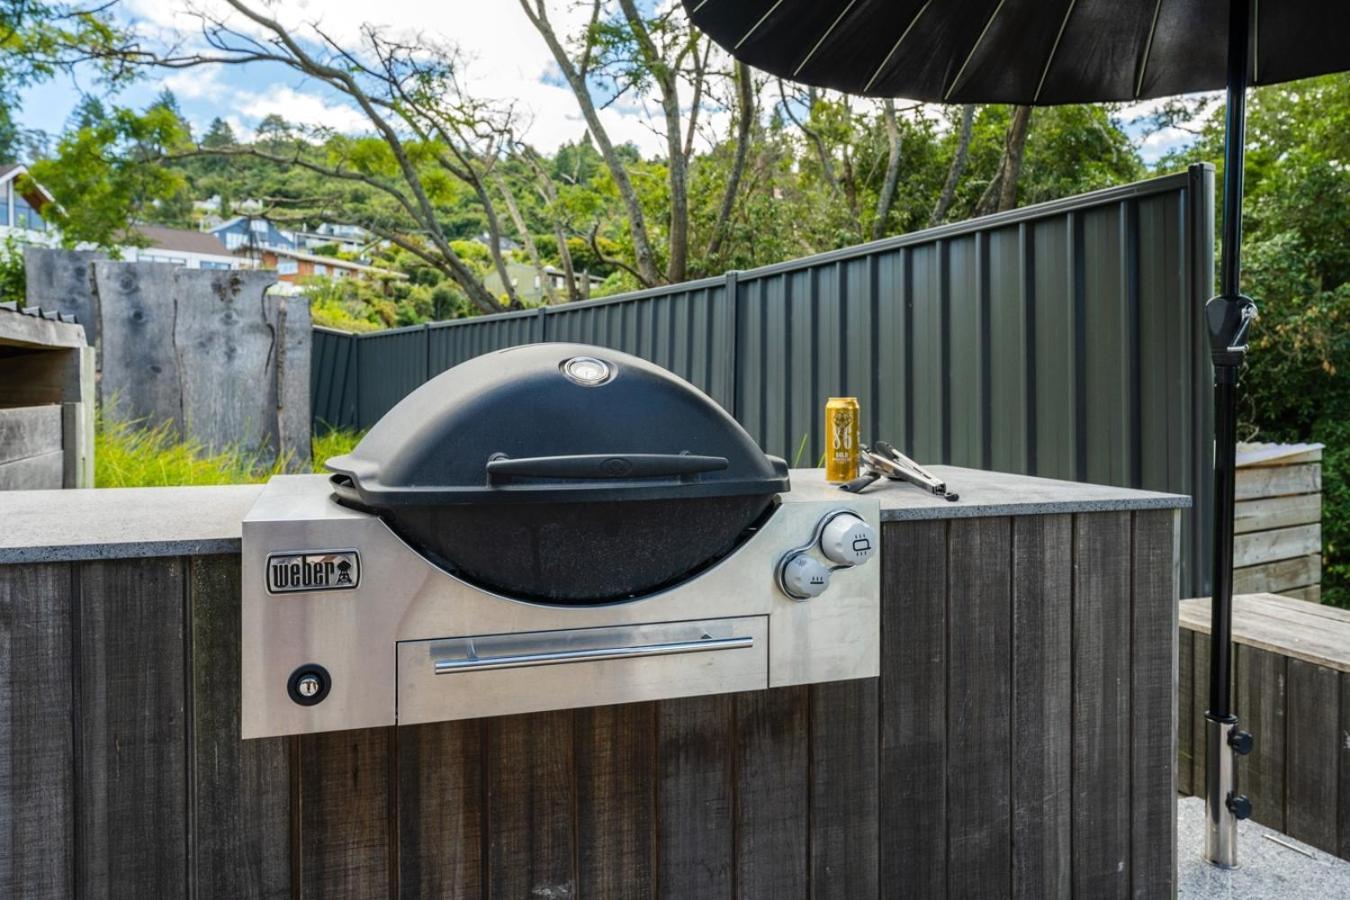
507, 61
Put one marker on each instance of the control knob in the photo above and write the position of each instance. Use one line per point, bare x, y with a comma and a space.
803, 577
848, 540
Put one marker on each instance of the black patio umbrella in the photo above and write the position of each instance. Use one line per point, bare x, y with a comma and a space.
1045, 52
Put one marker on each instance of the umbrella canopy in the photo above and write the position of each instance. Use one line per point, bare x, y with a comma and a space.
1040, 52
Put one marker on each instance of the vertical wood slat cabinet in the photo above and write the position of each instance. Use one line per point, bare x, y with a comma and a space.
1019, 741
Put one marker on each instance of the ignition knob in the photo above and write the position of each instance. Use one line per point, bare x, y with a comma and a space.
309, 684
803, 577
848, 540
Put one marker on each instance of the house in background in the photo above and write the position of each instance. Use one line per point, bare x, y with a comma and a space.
249, 235
529, 287
20, 211
347, 238
293, 266
191, 249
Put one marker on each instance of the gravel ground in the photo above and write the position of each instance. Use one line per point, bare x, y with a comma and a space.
1270, 864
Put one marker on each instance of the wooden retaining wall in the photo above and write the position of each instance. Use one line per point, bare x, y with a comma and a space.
1277, 545
209, 352
46, 402
1291, 689
1019, 742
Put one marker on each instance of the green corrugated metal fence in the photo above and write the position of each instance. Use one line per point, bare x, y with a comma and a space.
1063, 340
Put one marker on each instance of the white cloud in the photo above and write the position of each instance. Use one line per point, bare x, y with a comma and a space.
302, 109
1154, 146
197, 84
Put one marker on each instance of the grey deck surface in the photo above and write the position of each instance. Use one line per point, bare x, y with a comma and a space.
117, 523
1271, 865
993, 494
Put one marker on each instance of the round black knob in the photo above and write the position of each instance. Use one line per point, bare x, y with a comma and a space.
309, 684
1239, 806
1242, 742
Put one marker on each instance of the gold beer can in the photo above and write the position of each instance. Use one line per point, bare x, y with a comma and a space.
841, 435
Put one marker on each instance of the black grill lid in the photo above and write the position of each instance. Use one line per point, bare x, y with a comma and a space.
551, 423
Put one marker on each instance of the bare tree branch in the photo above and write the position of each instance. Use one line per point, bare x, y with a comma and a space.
645, 271
745, 123
527, 239
888, 185
957, 168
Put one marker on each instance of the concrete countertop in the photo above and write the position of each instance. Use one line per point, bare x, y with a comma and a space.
118, 523
991, 494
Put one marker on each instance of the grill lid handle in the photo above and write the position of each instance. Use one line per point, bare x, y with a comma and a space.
603, 465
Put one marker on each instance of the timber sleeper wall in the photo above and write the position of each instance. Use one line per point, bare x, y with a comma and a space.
46, 401
1278, 544
1019, 742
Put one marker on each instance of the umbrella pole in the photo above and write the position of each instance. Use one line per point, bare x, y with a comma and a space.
1228, 317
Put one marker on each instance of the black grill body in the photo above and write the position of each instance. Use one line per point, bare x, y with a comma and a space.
564, 473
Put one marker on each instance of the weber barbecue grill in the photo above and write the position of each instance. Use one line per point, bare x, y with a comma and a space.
548, 526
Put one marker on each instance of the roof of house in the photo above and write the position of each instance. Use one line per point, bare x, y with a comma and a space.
183, 240
233, 220
332, 261
10, 171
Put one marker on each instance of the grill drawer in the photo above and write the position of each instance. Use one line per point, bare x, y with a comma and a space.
492, 675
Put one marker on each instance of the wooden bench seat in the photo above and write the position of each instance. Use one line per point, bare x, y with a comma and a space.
1291, 689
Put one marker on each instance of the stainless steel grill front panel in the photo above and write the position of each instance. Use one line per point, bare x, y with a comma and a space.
379, 640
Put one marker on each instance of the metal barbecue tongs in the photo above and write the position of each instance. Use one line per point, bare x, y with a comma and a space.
886, 461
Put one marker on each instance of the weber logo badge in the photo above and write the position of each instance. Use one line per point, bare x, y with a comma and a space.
325, 570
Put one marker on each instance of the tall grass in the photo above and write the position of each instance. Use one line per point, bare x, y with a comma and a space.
130, 454
333, 442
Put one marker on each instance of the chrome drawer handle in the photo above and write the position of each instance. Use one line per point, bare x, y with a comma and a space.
553, 658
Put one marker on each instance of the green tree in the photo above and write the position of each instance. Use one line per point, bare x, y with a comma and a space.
219, 134
1296, 265
39, 40
105, 177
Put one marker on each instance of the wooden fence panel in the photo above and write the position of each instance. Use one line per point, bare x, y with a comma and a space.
240, 798
531, 806
844, 802
37, 754
131, 825
1260, 696
772, 821
695, 797
1312, 693
1042, 720
1101, 705
1153, 693
229, 393
616, 815
914, 708
248, 384
979, 700
29, 431
440, 811
345, 847
138, 359
140, 786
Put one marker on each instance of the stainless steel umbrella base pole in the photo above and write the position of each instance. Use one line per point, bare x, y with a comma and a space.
1221, 817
